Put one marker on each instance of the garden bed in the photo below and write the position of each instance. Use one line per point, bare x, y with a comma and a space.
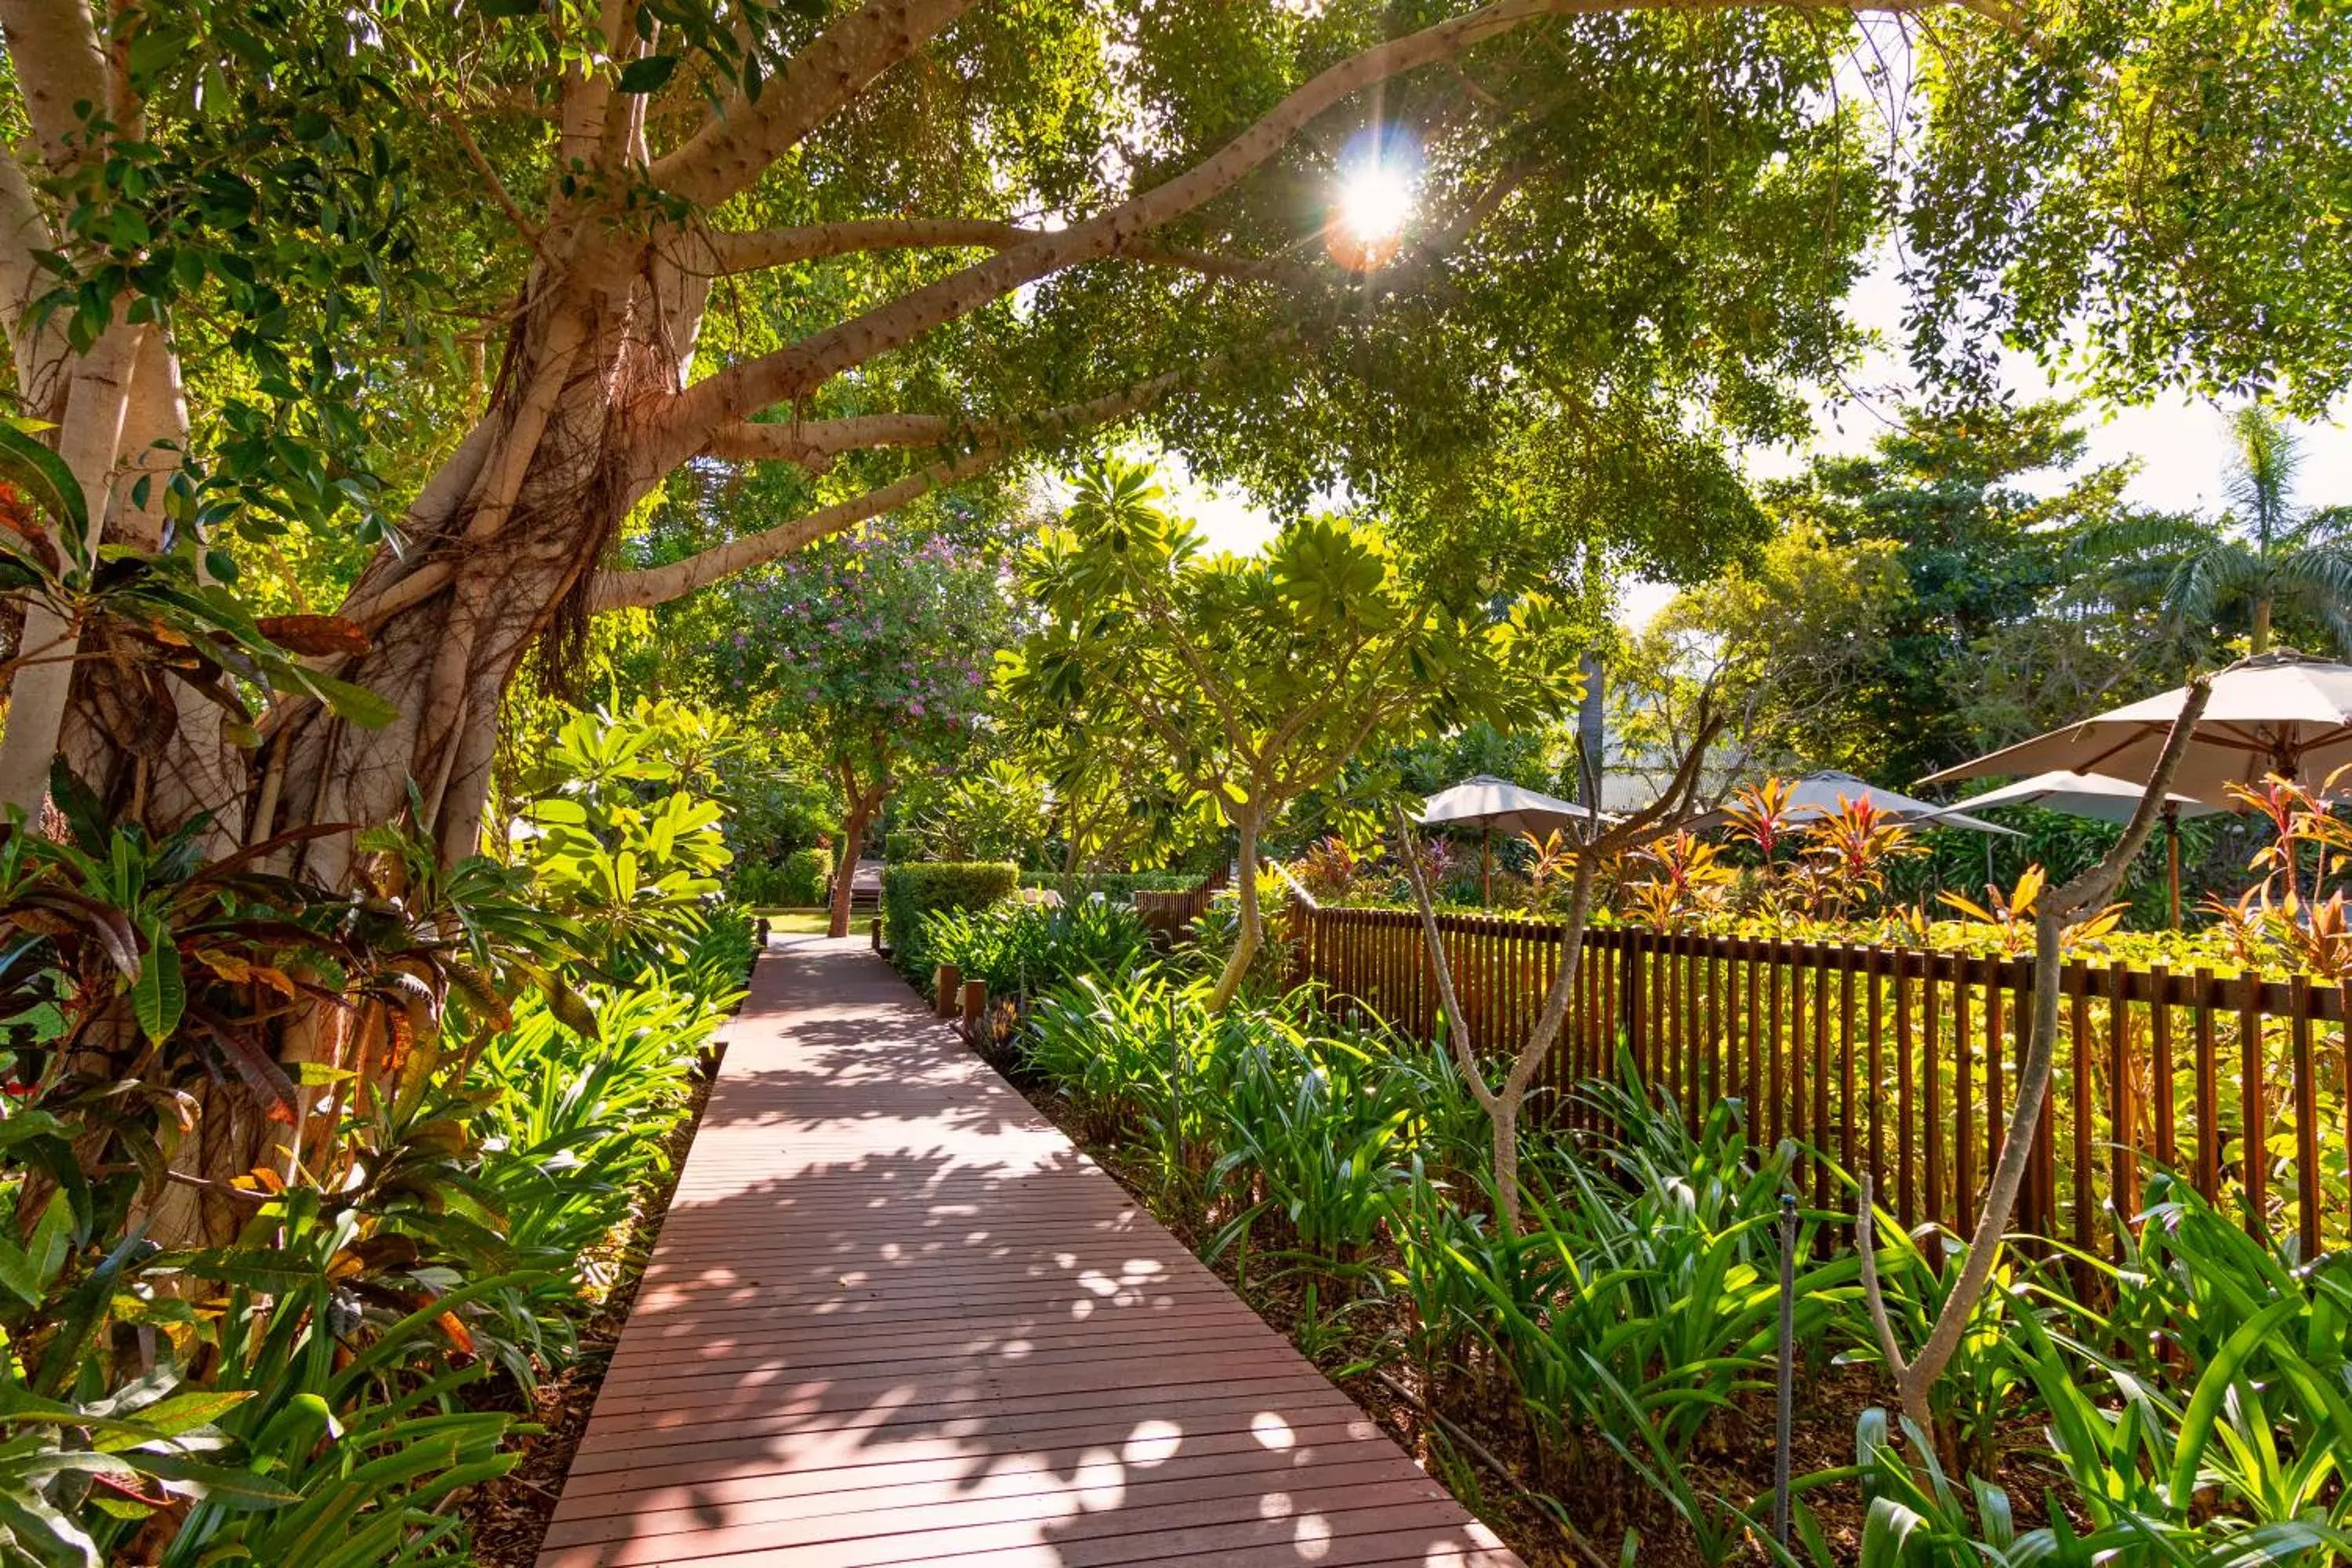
508, 1516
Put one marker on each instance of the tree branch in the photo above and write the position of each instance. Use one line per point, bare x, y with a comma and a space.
2094, 887
802, 368
799, 370
758, 249
733, 149
659, 585
815, 442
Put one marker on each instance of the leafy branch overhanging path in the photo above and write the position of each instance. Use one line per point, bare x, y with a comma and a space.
895, 1317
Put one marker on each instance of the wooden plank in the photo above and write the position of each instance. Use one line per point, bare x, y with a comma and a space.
2083, 1132
1821, 1117
2208, 1094
1932, 1114
893, 1317
2123, 1173
1729, 1046
1906, 1208
2307, 1123
2253, 1144
1964, 1103
1849, 1107
1799, 1122
1776, 1043
2159, 1041
1995, 1042
2043, 1167
1877, 1067
1751, 1081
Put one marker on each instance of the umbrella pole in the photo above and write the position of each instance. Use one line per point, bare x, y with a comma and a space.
2172, 860
1486, 867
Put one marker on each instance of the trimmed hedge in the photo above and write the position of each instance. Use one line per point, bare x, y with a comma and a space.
1113, 885
911, 891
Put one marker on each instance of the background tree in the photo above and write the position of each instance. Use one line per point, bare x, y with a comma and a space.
1933, 599
1263, 677
2260, 558
1111, 805
1979, 549
1786, 644
877, 648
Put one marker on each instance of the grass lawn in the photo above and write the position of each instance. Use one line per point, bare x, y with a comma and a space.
794, 922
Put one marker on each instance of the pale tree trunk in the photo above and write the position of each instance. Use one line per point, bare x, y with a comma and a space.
2262, 639
90, 440
1916, 1377
62, 72
1592, 851
1591, 735
1245, 944
1503, 1106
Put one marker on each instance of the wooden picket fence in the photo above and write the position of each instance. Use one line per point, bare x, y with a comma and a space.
1903, 1063
1167, 914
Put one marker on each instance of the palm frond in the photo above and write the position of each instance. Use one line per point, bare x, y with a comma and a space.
2263, 477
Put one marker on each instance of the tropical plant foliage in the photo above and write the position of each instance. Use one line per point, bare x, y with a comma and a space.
2182, 1405
316, 1384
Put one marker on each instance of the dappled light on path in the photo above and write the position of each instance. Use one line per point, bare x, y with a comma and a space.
895, 1317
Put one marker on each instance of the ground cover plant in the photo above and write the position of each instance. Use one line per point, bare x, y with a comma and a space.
321, 1377
1019, 949
2183, 1404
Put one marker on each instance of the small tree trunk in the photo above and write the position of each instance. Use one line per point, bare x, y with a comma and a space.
99, 396
1245, 946
2262, 637
1591, 734
1916, 1378
854, 828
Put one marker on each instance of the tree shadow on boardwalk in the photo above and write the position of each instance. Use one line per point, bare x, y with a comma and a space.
894, 1317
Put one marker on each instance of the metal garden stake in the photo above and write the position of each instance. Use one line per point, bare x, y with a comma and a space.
1785, 1416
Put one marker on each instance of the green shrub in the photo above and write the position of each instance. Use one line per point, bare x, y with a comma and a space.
1022, 949
807, 877
902, 847
911, 891
800, 881
759, 886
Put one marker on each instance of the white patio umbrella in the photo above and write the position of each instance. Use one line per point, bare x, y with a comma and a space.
2105, 799
1487, 804
2280, 712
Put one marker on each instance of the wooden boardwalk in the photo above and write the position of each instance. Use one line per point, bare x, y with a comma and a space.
895, 1317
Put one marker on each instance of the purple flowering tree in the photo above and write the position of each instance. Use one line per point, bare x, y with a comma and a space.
876, 647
